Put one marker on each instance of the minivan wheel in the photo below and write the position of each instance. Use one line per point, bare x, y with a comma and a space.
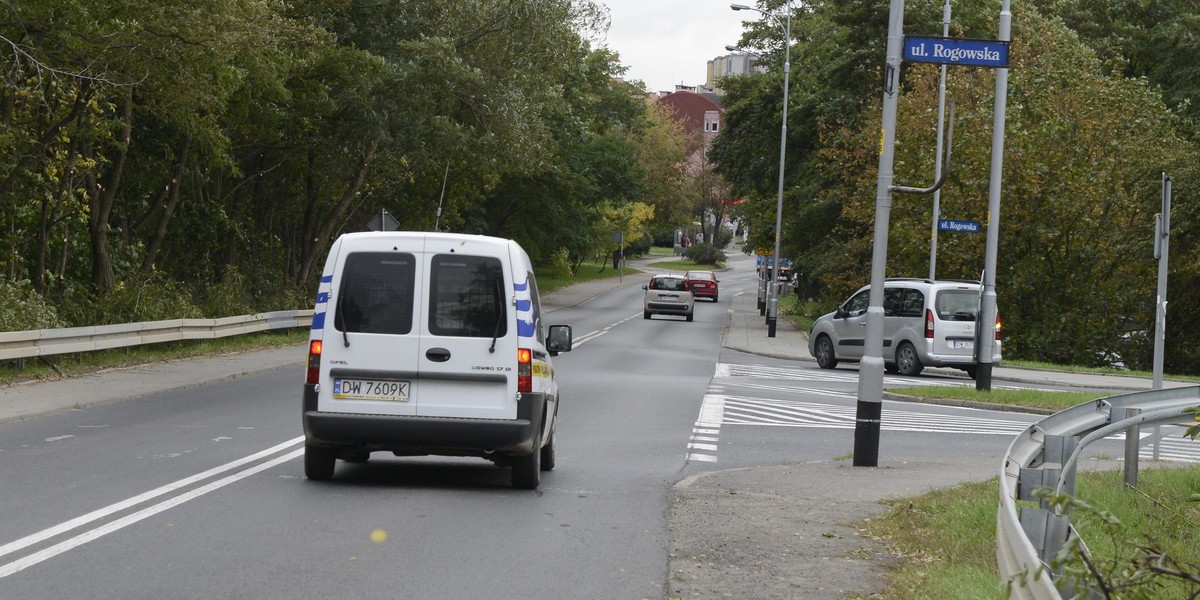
548, 454
907, 362
645, 314
526, 470
971, 372
318, 462
825, 357
689, 317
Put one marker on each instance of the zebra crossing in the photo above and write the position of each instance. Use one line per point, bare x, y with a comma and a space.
722, 408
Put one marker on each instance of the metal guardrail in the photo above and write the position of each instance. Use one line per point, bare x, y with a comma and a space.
69, 340
1044, 456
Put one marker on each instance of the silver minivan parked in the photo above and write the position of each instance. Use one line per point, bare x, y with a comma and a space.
926, 324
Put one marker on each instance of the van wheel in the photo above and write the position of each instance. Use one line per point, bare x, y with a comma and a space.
645, 314
825, 357
972, 372
907, 362
318, 463
689, 317
548, 454
526, 470
890, 368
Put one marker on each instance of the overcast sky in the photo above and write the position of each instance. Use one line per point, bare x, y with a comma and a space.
666, 42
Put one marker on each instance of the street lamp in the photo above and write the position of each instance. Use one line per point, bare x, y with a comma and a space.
773, 290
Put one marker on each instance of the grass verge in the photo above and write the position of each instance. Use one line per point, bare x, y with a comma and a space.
945, 540
549, 280
1026, 398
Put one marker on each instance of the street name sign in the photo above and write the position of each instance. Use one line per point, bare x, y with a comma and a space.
948, 225
954, 51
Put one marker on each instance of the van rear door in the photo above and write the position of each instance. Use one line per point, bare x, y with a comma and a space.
468, 348
371, 347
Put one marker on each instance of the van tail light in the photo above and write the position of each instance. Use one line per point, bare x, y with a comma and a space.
998, 326
314, 362
524, 370
928, 324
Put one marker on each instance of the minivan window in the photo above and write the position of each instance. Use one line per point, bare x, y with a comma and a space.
957, 305
857, 306
376, 293
467, 296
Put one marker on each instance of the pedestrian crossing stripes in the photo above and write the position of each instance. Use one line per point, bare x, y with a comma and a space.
740, 410
720, 410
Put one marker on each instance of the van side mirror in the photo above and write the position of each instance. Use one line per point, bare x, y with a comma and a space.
645, 287
559, 339
840, 313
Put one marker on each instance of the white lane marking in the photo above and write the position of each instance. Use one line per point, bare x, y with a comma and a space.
707, 429
83, 538
98, 514
59, 438
587, 337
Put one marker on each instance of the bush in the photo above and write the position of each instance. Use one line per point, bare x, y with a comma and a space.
560, 263
155, 299
704, 254
230, 297
23, 309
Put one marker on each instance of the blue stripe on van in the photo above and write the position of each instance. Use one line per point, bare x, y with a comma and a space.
322, 297
524, 305
318, 322
524, 328
327, 278
521, 287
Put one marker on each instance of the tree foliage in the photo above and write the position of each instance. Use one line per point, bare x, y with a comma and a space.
1085, 147
209, 151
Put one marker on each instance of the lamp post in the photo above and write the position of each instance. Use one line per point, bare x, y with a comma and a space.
773, 289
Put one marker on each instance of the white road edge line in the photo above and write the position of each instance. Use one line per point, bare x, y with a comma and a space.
83, 538
95, 515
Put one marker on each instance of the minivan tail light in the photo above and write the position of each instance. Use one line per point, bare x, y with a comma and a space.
998, 326
928, 324
314, 362
524, 370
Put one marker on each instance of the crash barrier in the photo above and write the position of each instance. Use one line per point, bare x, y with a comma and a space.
1045, 456
21, 345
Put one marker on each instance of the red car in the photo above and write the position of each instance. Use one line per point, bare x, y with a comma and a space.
703, 284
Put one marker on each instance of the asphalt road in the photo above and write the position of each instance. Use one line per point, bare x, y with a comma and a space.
695, 460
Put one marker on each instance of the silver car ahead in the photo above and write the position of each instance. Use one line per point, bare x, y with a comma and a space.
668, 295
925, 324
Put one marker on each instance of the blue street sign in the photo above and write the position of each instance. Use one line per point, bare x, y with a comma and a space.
948, 225
953, 51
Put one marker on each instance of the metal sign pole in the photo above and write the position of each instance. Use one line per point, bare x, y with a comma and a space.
870, 371
937, 172
983, 373
1161, 246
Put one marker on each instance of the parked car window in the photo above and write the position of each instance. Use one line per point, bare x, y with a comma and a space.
467, 296
893, 299
913, 304
957, 305
857, 305
377, 294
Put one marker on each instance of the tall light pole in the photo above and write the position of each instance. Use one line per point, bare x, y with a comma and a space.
773, 290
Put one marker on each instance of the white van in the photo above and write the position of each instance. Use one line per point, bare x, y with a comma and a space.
430, 343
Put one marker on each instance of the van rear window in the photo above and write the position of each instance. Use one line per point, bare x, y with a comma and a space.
467, 296
376, 293
957, 305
